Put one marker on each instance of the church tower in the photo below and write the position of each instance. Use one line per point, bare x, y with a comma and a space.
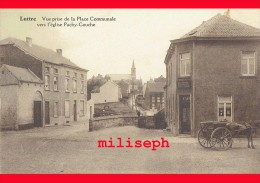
133, 71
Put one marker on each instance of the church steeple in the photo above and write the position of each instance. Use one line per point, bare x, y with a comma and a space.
133, 71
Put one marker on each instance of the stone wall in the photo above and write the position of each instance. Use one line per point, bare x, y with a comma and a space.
112, 121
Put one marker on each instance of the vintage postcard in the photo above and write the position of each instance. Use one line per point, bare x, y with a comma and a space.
130, 91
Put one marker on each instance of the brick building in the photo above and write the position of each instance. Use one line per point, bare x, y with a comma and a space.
213, 73
154, 94
64, 88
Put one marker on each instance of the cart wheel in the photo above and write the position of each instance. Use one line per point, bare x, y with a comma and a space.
221, 138
204, 138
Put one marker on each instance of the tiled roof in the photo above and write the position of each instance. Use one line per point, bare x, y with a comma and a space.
223, 26
22, 74
39, 52
156, 86
97, 88
118, 77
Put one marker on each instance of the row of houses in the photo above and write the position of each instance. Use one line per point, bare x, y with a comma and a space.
212, 73
118, 87
40, 87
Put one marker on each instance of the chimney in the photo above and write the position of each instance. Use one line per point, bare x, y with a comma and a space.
59, 51
227, 13
29, 41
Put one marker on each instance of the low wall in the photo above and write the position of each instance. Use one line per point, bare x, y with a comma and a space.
112, 121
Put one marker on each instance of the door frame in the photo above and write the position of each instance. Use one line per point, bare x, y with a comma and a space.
47, 119
75, 116
179, 118
40, 124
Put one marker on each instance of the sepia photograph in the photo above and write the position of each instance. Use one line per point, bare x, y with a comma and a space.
120, 91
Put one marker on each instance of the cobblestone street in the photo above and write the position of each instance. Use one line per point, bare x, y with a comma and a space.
72, 149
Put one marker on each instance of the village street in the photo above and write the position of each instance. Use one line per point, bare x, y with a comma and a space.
72, 149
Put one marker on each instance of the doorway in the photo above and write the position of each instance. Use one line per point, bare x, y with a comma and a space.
37, 113
47, 112
184, 114
75, 110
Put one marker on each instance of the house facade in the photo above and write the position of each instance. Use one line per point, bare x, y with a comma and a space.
64, 92
20, 90
213, 74
108, 92
154, 95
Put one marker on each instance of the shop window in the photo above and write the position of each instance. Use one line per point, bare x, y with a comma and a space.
225, 109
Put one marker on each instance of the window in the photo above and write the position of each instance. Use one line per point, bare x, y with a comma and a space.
162, 99
225, 108
81, 108
67, 73
67, 108
67, 80
82, 86
47, 82
185, 65
74, 85
153, 99
75, 75
153, 105
55, 83
47, 69
2, 60
158, 100
56, 71
82, 76
248, 63
55, 109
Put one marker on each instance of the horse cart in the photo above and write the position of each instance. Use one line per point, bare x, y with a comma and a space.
218, 135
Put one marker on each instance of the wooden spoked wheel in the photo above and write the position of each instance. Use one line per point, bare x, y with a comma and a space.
204, 138
221, 138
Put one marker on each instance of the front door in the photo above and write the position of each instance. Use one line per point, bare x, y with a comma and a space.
47, 112
37, 113
75, 110
184, 114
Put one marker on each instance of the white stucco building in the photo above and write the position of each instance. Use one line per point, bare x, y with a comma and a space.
108, 92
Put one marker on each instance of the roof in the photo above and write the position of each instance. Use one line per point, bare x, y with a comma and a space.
39, 52
97, 88
118, 77
222, 26
22, 74
156, 86
160, 79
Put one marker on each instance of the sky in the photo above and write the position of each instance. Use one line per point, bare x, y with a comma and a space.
142, 35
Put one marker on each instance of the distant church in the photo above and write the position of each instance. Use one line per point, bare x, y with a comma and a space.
128, 82
119, 77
